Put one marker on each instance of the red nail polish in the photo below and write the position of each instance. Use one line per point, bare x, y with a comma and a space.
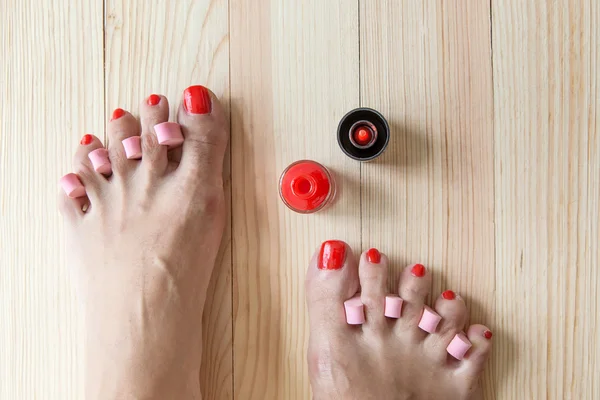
306, 187
373, 256
449, 295
118, 113
196, 100
86, 139
418, 270
363, 135
332, 254
153, 99
487, 334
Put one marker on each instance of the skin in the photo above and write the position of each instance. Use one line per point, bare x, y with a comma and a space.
145, 241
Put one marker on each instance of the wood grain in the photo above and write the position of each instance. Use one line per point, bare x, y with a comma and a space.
164, 47
492, 176
294, 73
547, 157
430, 197
51, 93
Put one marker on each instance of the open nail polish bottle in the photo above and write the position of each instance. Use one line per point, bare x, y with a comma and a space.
363, 134
306, 187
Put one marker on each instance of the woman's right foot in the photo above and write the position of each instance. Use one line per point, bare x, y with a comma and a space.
386, 358
144, 239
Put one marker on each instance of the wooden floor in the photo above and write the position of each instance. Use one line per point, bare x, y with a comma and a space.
492, 176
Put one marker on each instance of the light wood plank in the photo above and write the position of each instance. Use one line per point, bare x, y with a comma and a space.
430, 197
546, 81
294, 73
163, 47
52, 91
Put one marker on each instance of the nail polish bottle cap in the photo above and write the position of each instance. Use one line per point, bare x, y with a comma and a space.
363, 134
306, 186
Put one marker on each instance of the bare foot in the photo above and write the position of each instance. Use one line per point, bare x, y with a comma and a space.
385, 358
145, 248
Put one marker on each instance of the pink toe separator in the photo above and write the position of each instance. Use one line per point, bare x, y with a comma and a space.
429, 320
100, 161
459, 346
72, 186
393, 306
133, 147
355, 311
169, 134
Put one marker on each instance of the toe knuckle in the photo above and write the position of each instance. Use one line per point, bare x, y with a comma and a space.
149, 142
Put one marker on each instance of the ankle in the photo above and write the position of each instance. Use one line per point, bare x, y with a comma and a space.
142, 385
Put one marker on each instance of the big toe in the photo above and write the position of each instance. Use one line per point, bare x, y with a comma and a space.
206, 131
331, 279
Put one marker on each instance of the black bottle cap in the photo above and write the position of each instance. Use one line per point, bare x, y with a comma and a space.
363, 134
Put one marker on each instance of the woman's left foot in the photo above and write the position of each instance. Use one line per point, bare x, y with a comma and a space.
145, 238
394, 351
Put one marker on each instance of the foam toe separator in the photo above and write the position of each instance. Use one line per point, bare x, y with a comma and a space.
429, 320
393, 306
72, 186
169, 134
100, 161
459, 346
355, 311
133, 147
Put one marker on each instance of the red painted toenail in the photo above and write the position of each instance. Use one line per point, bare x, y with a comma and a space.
373, 256
196, 100
332, 255
487, 334
449, 295
118, 113
154, 99
86, 139
418, 270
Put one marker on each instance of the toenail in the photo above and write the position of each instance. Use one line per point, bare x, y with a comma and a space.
86, 139
355, 311
449, 295
153, 99
459, 346
430, 320
373, 256
169, 134
393, 306
118, 113
133, 147
487, 334
196, 100
100, 161
332, 254
418, 270
72, 186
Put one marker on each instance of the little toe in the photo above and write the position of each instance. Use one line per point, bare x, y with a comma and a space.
153, 111
413, 288
331, 279
372, 271
475, 359
71, 207
453, 311
206, 132
123, 125
83, 167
